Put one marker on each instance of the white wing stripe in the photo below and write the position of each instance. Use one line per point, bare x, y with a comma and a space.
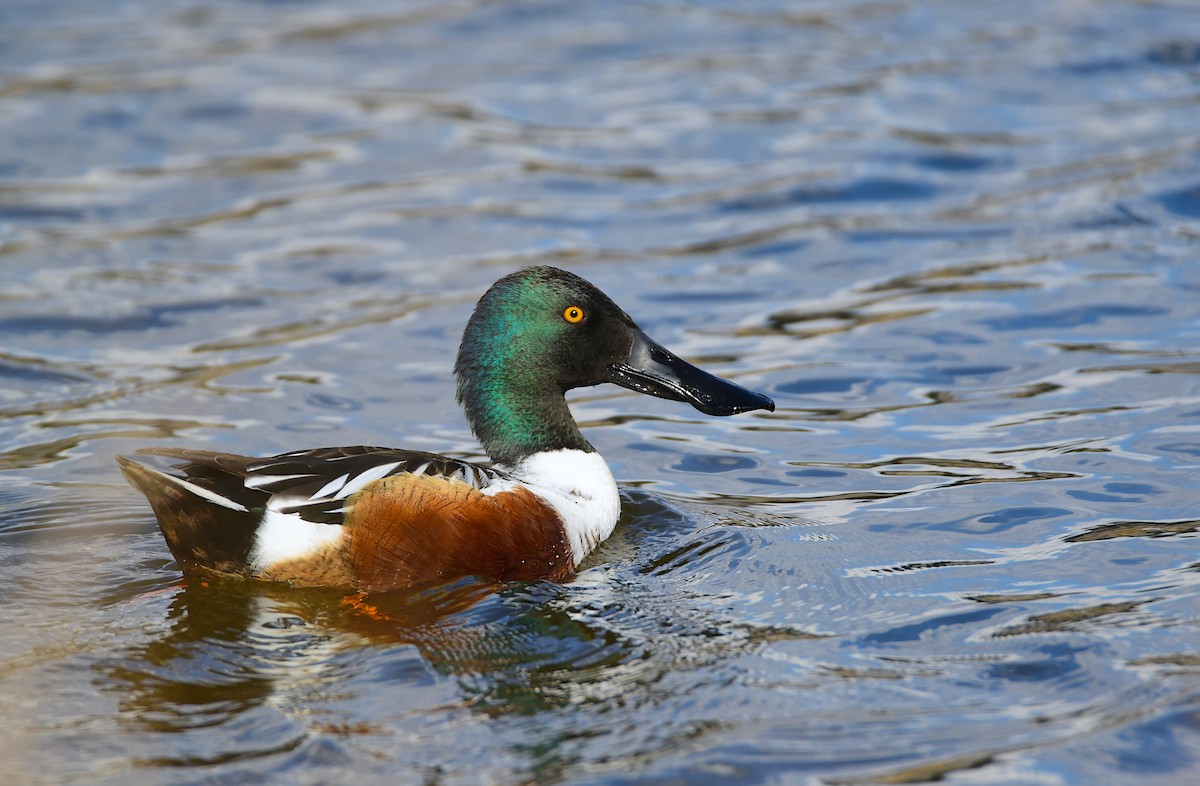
204, 493
257, 481
374, 473
330, 487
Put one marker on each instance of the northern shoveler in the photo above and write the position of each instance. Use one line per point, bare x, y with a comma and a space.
381, 519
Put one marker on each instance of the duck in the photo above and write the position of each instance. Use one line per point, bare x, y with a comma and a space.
375, 519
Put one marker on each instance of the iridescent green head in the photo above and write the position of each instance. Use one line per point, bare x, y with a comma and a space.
541, 331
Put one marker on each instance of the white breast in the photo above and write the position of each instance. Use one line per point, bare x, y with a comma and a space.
579, 486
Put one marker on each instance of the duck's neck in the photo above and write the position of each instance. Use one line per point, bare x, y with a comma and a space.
514, 420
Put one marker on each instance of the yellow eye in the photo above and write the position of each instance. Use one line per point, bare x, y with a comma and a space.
573, 314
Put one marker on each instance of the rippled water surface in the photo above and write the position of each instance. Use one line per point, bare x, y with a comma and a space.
958, 243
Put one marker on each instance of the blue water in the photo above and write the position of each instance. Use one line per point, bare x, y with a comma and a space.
956, 242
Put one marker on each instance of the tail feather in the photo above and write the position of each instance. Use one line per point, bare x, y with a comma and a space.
205, 529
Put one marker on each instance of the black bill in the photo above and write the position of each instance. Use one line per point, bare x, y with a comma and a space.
651, 369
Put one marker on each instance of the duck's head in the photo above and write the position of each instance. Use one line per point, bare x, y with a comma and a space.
540, 332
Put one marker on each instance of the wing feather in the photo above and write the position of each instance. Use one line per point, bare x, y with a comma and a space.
311, 483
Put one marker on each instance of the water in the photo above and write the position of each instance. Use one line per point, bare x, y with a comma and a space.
956, 242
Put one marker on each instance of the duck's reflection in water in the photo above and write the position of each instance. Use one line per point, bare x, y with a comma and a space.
261, 660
